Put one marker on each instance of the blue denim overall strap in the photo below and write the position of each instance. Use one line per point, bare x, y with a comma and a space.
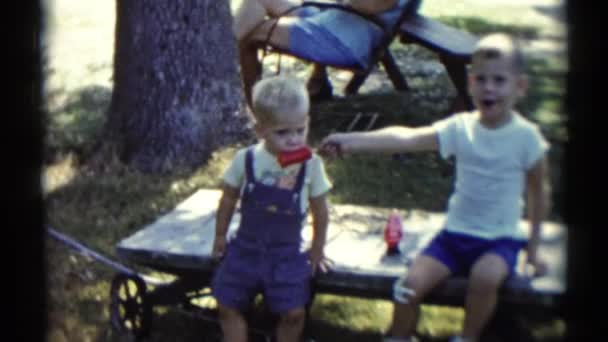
265, 256
270, 216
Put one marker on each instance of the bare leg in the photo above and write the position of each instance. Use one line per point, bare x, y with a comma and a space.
424, 274
291, 325
234, 325
280, 33
278, 7
319, 86
318, 71
251, 69
487, 275
252, 27
248, 14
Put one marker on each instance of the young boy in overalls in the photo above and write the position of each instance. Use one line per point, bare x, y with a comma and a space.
266, 256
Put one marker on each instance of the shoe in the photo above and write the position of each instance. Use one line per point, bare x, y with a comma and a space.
322, 92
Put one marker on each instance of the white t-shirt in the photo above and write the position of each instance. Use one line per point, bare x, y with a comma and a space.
267, 170
491, 166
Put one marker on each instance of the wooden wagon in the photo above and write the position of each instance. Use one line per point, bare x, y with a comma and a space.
179, 244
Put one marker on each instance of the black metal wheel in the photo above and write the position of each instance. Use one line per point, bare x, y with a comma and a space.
130, 311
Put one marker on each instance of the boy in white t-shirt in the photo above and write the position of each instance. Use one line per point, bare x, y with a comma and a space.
499, 155
265, 256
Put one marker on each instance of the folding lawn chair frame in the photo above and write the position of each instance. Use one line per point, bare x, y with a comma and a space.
380, 54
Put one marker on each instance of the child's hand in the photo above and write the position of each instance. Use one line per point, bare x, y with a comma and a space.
332, 146
330, 150
219, 248
536, 268
318, 260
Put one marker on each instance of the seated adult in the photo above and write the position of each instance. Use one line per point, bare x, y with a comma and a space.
325, 36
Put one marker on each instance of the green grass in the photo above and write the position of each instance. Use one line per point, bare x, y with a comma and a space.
100, 202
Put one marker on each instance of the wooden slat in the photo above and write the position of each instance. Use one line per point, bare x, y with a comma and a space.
438, 36
180, 243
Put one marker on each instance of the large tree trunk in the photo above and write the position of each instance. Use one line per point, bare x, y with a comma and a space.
177, 94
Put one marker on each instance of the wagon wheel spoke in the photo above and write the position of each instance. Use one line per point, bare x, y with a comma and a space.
129, 310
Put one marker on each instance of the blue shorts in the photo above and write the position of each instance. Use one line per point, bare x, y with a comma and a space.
333, 37
459, 251
339, 38
283, 278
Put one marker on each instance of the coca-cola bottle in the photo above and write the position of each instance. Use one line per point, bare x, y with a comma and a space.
393, 233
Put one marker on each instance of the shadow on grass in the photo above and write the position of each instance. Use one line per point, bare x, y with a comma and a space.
174, 325
98, 207
75, 125
322, 331
418, 180
479, 26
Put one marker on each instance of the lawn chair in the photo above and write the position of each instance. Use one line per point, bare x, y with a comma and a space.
379, 54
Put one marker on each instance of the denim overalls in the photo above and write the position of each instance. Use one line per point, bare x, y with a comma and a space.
265, 256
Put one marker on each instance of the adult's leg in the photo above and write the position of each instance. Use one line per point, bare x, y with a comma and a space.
234, 325
253, 28
487, 275
291, 325
318, 82
318, 85
424, 275
248, 14
251, 68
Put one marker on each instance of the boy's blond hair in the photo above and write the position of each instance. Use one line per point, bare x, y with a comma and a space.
276, 96
500, 45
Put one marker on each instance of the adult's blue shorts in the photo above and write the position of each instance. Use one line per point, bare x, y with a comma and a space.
336, 37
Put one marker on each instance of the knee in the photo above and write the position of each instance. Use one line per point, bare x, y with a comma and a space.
406, 292
487, 275
484, 285
294, 317
227, 314
419, 286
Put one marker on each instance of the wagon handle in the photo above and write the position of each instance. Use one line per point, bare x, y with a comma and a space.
82, 249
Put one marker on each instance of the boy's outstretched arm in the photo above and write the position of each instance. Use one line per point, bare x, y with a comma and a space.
394, 139
226, 206
320, 221
538, 197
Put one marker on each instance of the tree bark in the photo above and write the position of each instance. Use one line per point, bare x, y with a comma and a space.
177, 93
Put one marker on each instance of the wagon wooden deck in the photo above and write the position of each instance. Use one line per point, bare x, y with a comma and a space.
180, 243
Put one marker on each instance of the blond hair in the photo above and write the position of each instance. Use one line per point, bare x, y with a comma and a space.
276, 96
500, 45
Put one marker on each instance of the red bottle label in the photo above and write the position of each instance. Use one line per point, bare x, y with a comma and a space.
393, 231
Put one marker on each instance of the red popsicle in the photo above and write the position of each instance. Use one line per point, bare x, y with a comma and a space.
287, 158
